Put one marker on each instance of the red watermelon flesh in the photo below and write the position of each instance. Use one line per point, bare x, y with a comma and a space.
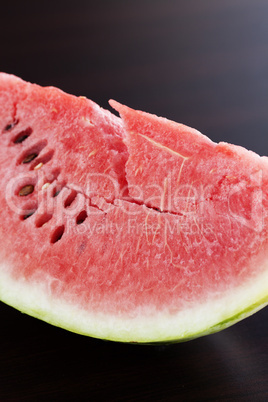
135, 229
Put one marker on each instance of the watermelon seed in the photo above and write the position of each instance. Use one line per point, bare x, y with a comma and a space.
56, 193
50, 179
38, 166
30, 154
20, 139
23, 135
57, 189
57, 234
11, 125
45, 186
43, 159
28, 210
29, 158
26, 190
28, 215
81, 217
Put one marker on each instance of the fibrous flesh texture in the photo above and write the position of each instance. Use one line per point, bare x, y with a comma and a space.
135, 229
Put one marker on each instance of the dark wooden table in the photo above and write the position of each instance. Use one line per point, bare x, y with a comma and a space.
203, 63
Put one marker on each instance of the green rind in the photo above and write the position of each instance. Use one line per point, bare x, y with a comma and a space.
254, 308
148, 328
214, 329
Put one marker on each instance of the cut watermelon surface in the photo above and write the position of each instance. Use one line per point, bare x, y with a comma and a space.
131, 228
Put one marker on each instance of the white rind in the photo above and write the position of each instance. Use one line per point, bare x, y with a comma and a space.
146, 327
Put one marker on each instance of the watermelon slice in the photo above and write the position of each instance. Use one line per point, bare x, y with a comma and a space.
134, 229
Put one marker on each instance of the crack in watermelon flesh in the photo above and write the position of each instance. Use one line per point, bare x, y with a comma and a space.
135, 229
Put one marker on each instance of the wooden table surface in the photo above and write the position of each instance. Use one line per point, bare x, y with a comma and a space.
203, 63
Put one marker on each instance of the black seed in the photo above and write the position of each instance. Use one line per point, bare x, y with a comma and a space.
11, 125
8, 127
29, 158
28, 215
20, 139
56, 193
26, 190
23, 135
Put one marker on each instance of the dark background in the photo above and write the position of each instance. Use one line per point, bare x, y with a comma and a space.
202, 63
